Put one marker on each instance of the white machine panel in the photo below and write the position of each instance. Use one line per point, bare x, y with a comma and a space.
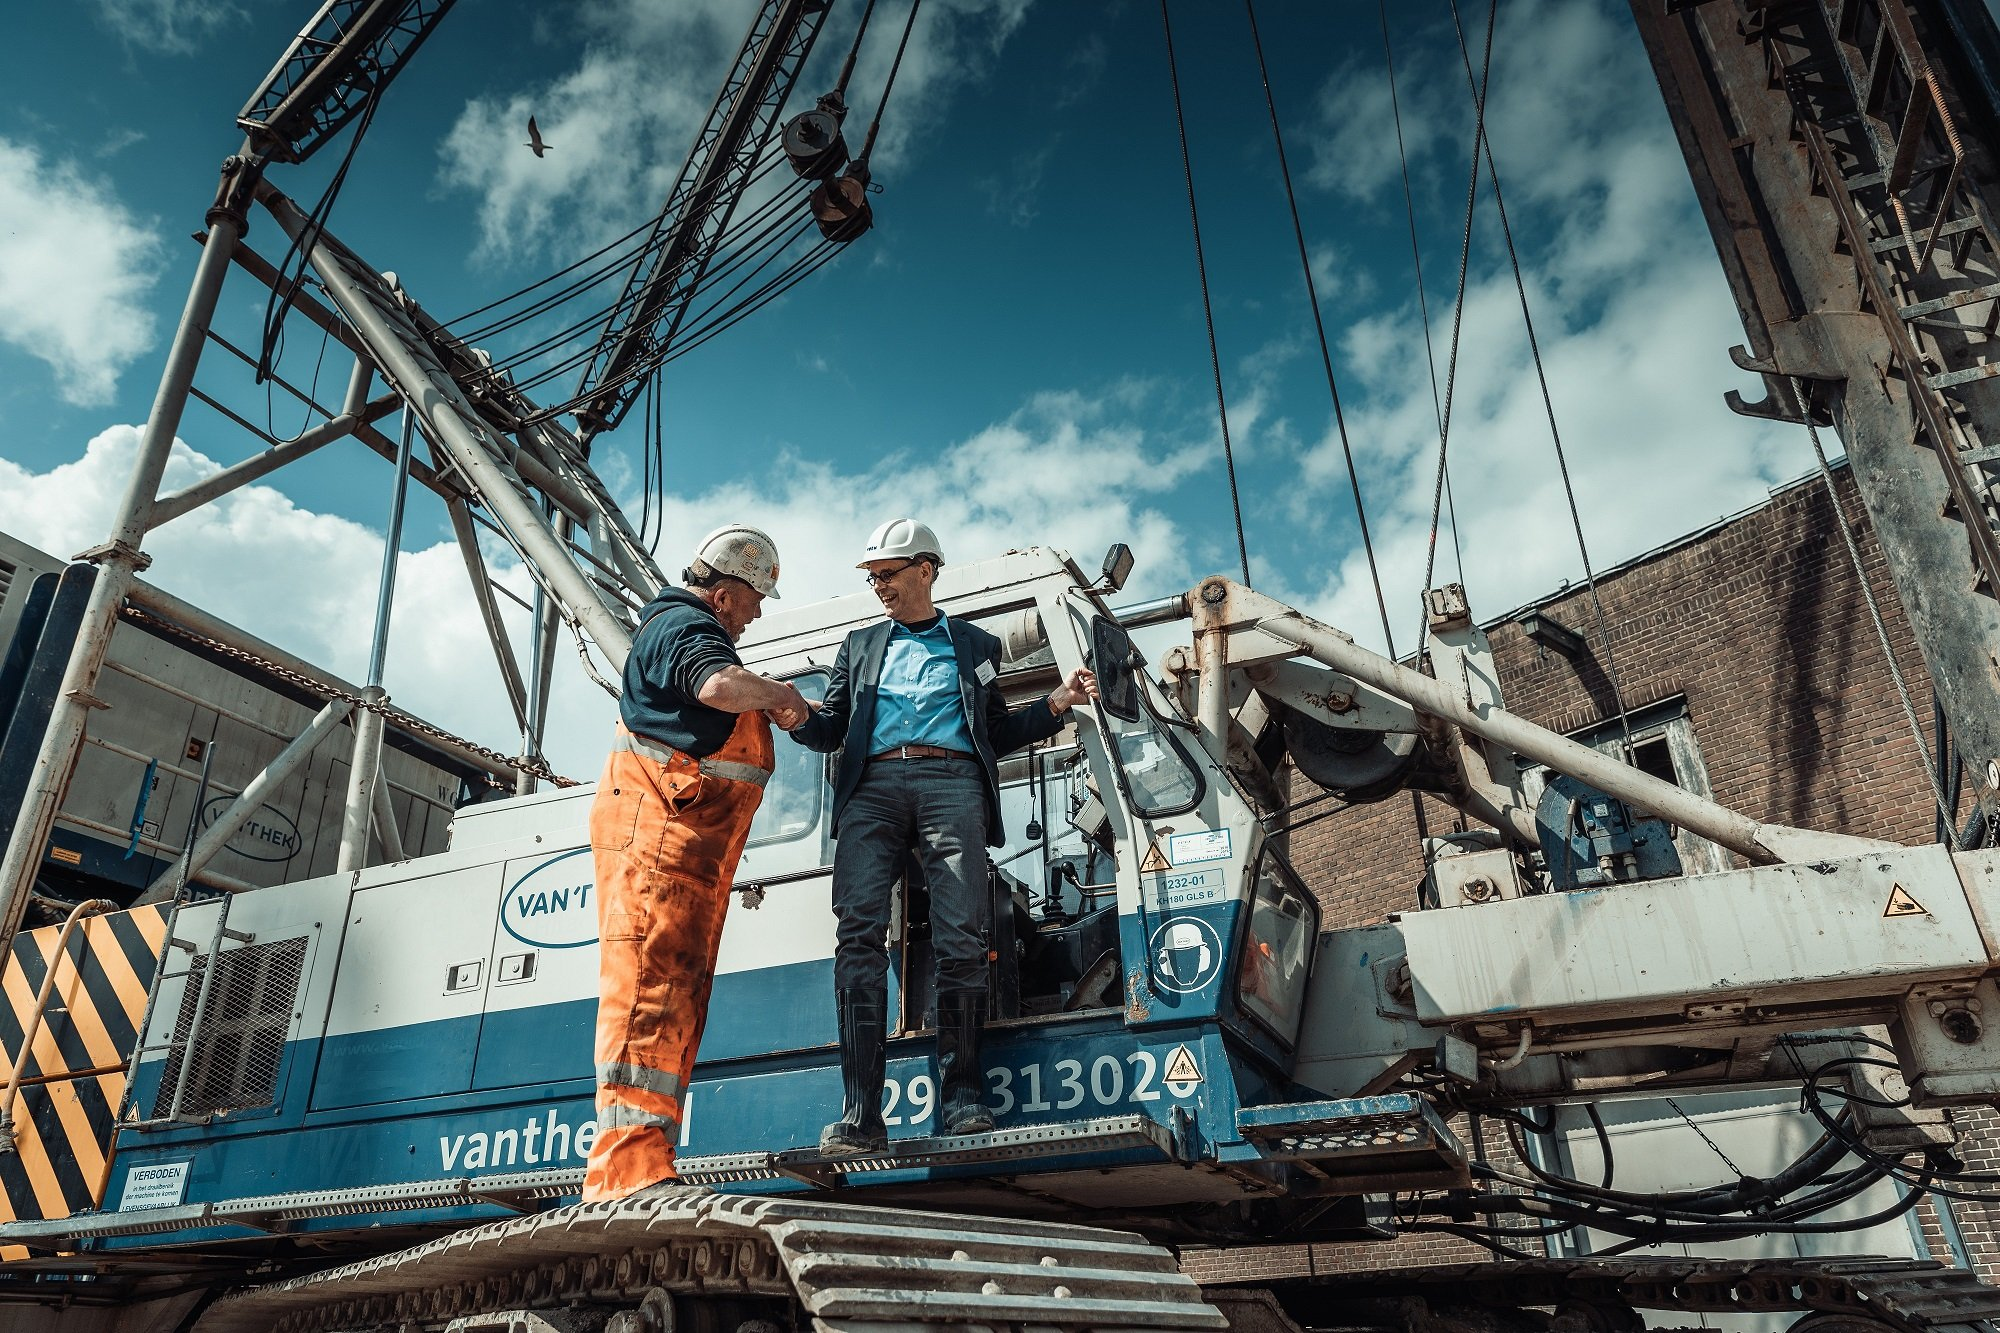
1825, 930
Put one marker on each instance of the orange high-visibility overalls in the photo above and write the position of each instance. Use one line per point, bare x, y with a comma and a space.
666, 832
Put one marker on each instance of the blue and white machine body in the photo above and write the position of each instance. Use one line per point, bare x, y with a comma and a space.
413, 1041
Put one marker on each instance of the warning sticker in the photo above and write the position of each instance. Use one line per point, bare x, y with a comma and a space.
1209, 844
1155, 860
1182, 1074
69, 856
160, 1186
1902, 904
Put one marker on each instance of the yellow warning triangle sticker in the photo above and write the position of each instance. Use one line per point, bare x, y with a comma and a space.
1181, 1067
1902, 904
1156, 859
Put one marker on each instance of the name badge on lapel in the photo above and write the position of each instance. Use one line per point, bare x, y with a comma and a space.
984, 673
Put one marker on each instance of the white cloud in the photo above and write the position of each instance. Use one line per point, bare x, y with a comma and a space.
302, 580
1014, 195
954, 42
1563, 80
622, 117
75, 267
1631, 311
173, 26
1064, 470
117, 141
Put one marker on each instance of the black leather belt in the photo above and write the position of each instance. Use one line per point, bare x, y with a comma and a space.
921, 752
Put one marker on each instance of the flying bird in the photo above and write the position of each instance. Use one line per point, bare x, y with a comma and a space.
535, 142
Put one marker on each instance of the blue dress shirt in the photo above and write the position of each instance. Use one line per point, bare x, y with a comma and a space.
917, 701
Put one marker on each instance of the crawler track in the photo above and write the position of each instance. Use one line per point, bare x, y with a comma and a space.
841, 1266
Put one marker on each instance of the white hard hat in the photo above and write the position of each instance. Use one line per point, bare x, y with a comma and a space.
742, 552
901, 539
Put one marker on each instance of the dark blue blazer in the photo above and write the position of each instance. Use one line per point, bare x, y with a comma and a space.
846, 720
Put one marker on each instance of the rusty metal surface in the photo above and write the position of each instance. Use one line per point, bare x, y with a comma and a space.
1855, 224
845, 1265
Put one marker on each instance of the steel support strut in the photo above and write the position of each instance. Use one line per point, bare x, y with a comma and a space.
455, 428
119, 559
255, 792
365, 796
356, 412
1234, 609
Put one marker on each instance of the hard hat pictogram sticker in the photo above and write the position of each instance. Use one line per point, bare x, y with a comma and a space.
1156, 861
1902, 904
1182, 1073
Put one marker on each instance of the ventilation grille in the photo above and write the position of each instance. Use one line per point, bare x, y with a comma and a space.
236, 1054
6, 580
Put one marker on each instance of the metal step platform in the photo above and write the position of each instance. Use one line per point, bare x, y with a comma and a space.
1123, 1134
1359, 1144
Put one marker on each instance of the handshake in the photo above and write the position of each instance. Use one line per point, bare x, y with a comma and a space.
789, 711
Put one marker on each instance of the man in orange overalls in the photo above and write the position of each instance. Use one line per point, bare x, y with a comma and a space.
686, 771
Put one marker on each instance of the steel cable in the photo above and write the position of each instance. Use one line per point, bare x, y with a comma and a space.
1417, 263
811, 262
1319, 328
1803, 405
539, 283
573, 360
808, 263
861, 158
1458, 312
1541, 376
766, 220
277, 305
1207, 308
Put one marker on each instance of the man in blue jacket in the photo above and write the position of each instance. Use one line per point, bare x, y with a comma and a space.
916, 708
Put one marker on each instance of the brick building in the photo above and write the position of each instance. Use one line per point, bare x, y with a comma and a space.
1750, 672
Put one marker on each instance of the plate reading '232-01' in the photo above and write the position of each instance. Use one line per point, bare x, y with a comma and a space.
1189, 888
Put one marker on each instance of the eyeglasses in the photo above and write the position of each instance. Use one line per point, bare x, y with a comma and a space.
877, 578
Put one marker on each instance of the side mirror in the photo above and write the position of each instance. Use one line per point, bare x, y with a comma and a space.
1117, 566
1116, 664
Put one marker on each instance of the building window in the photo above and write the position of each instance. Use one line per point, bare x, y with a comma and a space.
1664, 745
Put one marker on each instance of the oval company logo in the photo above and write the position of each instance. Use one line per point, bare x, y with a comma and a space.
553, 906
268, 835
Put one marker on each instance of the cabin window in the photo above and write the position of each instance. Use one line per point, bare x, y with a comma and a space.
1153, 765
1066, 869
1277, 948
795, 797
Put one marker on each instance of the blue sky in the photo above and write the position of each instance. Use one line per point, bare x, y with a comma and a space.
1016, 353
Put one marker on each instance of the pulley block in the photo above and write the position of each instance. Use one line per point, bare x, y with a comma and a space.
814, 144
840, 207
1360, 766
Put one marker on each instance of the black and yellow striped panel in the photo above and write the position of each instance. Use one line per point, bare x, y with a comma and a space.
74, 1077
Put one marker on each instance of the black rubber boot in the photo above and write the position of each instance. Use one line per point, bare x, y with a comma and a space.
863, 1031
961, 1080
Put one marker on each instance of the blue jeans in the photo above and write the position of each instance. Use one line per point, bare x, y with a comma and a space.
936, 808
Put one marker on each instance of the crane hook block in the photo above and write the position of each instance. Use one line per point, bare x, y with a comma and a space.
841, 208
815, 145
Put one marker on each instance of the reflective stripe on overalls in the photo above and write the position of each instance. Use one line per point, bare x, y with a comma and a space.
666, 832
